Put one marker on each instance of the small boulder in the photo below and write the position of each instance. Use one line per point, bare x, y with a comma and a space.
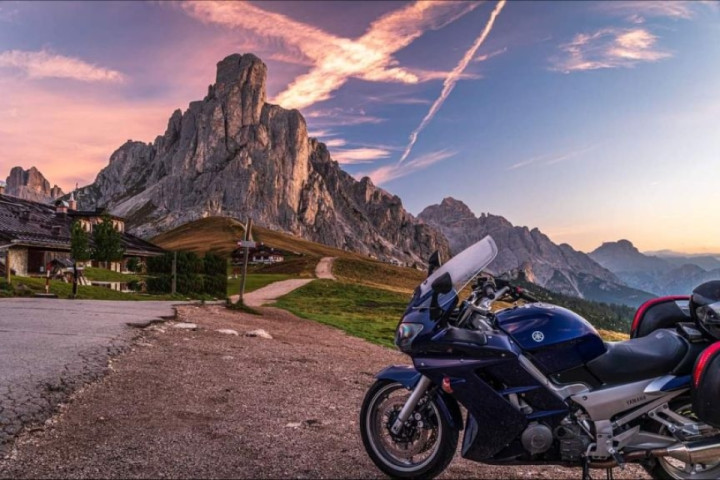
227, 331
185, 326
259, 333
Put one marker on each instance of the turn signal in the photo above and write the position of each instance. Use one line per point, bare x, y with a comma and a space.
446, 385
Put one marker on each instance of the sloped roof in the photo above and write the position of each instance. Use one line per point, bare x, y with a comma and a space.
27, 223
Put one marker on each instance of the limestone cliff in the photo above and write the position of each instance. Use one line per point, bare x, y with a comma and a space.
31, 185
234, 154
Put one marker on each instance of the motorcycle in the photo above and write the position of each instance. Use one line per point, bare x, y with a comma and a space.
539, 385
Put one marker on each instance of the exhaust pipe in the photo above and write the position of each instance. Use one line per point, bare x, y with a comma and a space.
701, 451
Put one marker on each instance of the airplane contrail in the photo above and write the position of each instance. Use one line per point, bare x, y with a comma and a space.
452, 79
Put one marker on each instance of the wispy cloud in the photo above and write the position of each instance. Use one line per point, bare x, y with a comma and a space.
452, 78
336, 59
394, 171
338, 117
348, 156
44, 64
646, 8
552, 159
609, 48
336, 142
487, 56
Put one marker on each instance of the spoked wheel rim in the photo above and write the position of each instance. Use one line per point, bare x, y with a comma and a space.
677, 468
419, 441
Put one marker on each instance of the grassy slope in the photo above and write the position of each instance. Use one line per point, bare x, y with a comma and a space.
361, 311
368, 298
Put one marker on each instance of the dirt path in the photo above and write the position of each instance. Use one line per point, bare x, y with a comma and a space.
188, 404
272, 292
324, 268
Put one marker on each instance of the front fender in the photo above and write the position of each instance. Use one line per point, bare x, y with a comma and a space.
405, 375
408, 377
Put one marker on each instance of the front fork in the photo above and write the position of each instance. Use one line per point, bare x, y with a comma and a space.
417, 393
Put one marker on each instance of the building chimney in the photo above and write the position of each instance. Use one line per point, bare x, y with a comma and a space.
61, 207
2, 188
72, 203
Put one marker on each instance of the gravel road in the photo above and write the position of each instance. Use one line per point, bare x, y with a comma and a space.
188, 404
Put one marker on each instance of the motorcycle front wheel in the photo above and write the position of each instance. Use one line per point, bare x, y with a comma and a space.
425, 445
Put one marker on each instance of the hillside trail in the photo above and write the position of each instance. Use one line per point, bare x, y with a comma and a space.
324, 268
275, 290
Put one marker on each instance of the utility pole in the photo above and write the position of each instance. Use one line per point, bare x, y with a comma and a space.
173, 289
8, 276
246, 245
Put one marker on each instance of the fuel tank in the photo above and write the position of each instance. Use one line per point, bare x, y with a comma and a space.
553, 337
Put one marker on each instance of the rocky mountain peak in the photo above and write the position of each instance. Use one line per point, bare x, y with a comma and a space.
520, 249
233, 154
31, 185
621, 246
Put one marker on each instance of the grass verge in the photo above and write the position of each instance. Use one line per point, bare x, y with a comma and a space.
365, 312
64, 290
105, 275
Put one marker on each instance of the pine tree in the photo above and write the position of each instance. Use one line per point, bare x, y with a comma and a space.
108, 241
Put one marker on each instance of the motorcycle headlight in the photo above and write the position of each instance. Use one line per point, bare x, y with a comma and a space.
406, 333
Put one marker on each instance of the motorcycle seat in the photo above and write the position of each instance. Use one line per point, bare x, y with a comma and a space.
653, 355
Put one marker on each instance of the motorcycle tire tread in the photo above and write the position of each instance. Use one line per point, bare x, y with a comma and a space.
436, 467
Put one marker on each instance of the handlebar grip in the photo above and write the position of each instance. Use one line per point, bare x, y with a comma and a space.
489, 292
522, 293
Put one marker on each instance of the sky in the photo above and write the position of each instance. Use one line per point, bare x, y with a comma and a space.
592, 121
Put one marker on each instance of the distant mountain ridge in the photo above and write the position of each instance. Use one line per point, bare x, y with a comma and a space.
233, 154
31, 185
556, 267
660, 275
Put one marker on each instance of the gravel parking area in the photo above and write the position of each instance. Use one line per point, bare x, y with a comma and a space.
204, 404
49, 348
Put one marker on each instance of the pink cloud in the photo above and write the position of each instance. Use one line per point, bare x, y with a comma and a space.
394, 171
69, 135
336, 59
44, 64
609, 48
359, 155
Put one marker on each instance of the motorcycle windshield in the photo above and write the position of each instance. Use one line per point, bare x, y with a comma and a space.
462, 268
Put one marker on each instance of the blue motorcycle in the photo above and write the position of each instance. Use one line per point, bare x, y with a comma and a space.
537, 385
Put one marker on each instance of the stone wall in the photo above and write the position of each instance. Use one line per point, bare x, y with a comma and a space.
19, 260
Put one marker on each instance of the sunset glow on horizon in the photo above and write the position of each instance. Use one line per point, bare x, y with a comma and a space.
592, 121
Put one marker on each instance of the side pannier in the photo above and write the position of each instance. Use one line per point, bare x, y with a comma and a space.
706, 386
662, 312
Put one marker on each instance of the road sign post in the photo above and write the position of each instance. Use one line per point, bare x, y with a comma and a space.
247, 244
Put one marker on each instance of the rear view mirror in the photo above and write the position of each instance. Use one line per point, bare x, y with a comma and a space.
434, 262
442, 284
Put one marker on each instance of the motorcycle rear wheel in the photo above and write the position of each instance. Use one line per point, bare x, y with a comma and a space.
425, 446
667, 468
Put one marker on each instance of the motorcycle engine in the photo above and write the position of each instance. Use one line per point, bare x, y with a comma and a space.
537, 438
573, 442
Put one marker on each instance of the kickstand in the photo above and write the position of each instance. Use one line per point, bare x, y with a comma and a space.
586, 470
610, 475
